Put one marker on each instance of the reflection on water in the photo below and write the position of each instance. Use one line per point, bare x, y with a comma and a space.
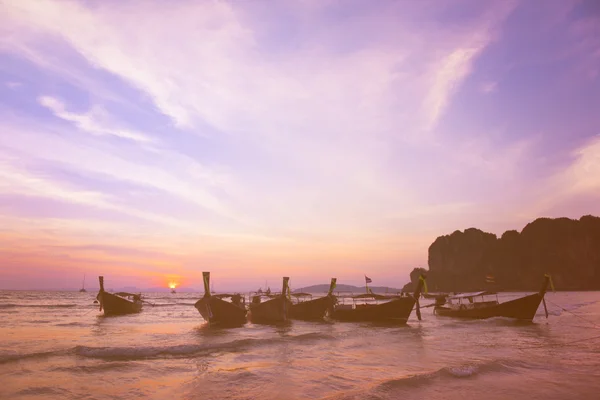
58, 346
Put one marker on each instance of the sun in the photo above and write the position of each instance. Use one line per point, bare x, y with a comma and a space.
172, 285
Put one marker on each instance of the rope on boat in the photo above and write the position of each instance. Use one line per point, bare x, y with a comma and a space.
87, 312
576, 315
566, 343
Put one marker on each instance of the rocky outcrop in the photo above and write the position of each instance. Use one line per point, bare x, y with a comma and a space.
569, 250
414, 279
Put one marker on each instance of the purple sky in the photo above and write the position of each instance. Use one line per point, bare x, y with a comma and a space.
149, 140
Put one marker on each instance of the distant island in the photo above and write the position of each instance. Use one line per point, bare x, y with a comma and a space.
567, 249
340, 287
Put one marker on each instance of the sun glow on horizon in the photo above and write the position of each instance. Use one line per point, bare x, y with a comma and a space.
172, 285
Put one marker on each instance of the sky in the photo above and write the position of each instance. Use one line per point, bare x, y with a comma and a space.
148, 141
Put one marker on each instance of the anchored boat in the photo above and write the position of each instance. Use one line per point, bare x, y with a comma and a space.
217, 311
275, 309
118, 303
307, 308
479, 305
371, 307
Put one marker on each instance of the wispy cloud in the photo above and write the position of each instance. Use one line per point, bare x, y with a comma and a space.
489, 87
93, 121
13, 85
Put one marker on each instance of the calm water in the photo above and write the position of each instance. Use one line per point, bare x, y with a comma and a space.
57, 345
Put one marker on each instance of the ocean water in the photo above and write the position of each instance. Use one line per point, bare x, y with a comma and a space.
56, 345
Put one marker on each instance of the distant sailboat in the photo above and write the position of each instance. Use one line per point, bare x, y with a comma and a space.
82, 290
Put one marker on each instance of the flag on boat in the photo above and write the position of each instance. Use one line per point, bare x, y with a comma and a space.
368, 280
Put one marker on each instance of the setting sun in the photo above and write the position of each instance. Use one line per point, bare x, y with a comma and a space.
172, 285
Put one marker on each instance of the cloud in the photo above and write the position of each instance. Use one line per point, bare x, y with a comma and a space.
573, 190
13, 85
583, 175
320, 122
489, 87
344, 92
118, 163
93, 122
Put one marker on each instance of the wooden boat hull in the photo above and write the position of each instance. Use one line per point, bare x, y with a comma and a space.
115, 305
312, 309
397, 310
270, 311
220, 312
523, 308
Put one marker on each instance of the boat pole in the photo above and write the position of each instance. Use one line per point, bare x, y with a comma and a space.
101, 280
332, 286
547, 279
417, 294
206, 279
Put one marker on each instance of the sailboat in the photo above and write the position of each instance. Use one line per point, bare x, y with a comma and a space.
82, 290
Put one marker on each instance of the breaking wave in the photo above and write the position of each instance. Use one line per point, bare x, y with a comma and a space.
11, 356
186, 350
464, 371
183, 350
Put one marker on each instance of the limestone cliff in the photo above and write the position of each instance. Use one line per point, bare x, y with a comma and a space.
569, 250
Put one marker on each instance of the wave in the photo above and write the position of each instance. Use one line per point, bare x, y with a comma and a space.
182, 350
11, 356
464, 371
310, 336
100, 367
44, 391
186, 350
9, 305
72, 324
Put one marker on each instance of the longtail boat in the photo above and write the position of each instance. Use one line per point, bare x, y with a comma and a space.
478, 306
384, 309
275, 309
314, 308
216, 311
118, 303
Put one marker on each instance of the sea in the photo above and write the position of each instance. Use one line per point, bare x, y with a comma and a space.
57, 345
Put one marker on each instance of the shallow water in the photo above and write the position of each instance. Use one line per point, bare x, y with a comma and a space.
57, 345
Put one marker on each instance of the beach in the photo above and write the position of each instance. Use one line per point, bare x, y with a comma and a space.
58, 345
